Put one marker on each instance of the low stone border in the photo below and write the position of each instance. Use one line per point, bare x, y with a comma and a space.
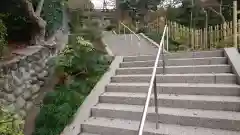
233, 59
84, 111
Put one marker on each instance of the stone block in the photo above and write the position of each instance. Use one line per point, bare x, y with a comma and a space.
35, 88
19, 90
20, 102
27, 94
29, 105
9, 97
23, 113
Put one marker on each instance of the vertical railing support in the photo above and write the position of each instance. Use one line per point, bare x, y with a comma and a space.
163, 61
124, 31
156, 102
167, 39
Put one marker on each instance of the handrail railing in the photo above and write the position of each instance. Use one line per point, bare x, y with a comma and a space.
133, 33
153, 83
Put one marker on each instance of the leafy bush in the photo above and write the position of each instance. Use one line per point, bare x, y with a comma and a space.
173, 45
3, 34
84, 65
10, 124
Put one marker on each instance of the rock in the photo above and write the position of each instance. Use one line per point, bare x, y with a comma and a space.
35, 96
3, 102
10, 97
1, 94
18, 91
27, 94
43, 74
37, 68
34, 80
35, 88
28, 84
16, 80
11, 108
29, 105
2, 82
31, 72
23, 113
20, 102
41, 83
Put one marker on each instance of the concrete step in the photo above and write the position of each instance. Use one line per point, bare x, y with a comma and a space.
178, 78
187, 117
177, 69
177, 62
178, 88
225, 103
88, 134
200, 54
109, 126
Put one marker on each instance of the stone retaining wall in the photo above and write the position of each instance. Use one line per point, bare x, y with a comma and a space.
22, 77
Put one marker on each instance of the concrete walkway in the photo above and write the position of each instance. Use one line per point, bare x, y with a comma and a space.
122, 45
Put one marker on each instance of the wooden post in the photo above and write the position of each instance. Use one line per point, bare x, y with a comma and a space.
235, 23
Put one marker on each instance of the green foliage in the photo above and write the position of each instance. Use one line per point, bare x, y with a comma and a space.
173, 45
53, 15
18, 24
10, 124
88, 29
85, 66
57, 111
3, 35
138, 9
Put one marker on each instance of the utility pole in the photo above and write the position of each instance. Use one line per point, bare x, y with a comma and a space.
235, 12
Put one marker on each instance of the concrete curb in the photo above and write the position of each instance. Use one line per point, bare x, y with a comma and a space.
84, 111
109, 51
233, 59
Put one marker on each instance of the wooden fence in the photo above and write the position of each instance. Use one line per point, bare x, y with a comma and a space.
217, 36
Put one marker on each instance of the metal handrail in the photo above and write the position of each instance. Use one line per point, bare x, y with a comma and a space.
153, 83
139, 39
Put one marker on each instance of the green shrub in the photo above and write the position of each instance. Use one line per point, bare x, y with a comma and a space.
3, 43
57, 111
85, 66
173, 45
10, 123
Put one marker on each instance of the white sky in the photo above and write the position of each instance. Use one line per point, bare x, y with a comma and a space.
98, 4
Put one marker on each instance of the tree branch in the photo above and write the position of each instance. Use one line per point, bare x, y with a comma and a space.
223, 18
29, 8
39, 8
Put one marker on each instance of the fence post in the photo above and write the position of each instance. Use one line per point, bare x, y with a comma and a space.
235, 23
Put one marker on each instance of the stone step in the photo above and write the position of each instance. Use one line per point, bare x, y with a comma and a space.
109, 126
176, 69
186, 117
88, 134
200, 54
178, 78
177, 62
178, 88
224, 103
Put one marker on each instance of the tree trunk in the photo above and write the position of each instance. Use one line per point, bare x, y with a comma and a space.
39, 25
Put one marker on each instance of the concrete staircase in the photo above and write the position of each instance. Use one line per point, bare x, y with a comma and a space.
198, 95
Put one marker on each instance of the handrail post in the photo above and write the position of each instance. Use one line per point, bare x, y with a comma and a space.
163, 61
156, 102
124, 31
167, 39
